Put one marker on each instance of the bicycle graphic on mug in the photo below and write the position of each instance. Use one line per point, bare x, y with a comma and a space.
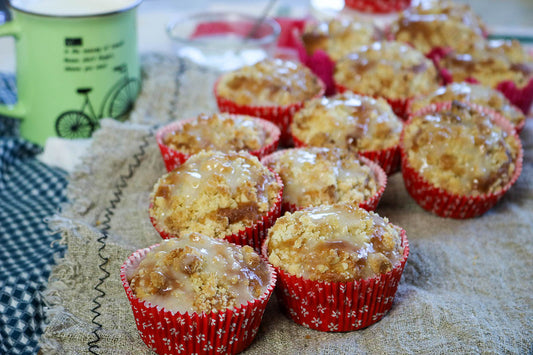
118, 101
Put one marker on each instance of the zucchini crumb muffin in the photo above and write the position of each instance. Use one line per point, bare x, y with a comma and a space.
461, 150
273, 89
196, 273
271, 82
490, 63
216, 194
475, 93
458, 159
360, 124
314, 176
392, 70
339, 36
335, 243
183, 289
219, 131
338, 259
432, 24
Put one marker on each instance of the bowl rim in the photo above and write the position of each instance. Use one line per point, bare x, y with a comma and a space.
230, 16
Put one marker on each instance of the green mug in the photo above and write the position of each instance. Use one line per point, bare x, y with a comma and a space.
72, 69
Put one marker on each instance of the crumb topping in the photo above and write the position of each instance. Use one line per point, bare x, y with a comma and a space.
491, 62
219, 131
461, 150
438, 23
342, 177
214, 193
196, 273
335, 243
348, 121
389, 69
338, 37
271, 82
478, 94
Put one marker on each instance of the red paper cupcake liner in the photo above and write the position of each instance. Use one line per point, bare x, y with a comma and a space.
444, 203
174, 158
339, 306
281, 116
253, 235
228, 331
399, 106
370, 204
378, 6
388, 158
521, 97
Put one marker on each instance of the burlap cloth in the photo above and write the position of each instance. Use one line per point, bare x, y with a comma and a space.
467, 286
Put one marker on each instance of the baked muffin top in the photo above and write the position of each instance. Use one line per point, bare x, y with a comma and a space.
196, 273
389, 69
491, 62
478, 94
338, 37
214, 193
219, 131
314, 176
271, 82
334, 243
461, 150
347, 121
432, 24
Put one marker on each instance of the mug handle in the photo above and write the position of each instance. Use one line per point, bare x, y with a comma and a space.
16, 110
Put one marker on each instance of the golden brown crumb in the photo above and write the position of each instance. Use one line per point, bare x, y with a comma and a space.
219, 131
338, 37
214, 193
199, 274
271, 82
478, 94
348, 121
491, 62
438, 24
343, 178
461, 150
388, 69
334, 243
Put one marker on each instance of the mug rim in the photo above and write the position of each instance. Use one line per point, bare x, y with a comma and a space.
133, 4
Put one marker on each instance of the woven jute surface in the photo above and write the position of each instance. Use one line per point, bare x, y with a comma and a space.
466, 287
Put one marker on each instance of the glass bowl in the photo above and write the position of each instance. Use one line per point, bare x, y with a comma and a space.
224, 41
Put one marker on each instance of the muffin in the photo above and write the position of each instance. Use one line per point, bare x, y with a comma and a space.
432, 24
222, 195
377, 6
339, 36
391, 70
458, 159
219, 131
503, 65
273, 89
475, 93
185, 292
359, 124
315, 176
339, 260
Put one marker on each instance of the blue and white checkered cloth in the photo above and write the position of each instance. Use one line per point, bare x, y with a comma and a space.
29, 192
